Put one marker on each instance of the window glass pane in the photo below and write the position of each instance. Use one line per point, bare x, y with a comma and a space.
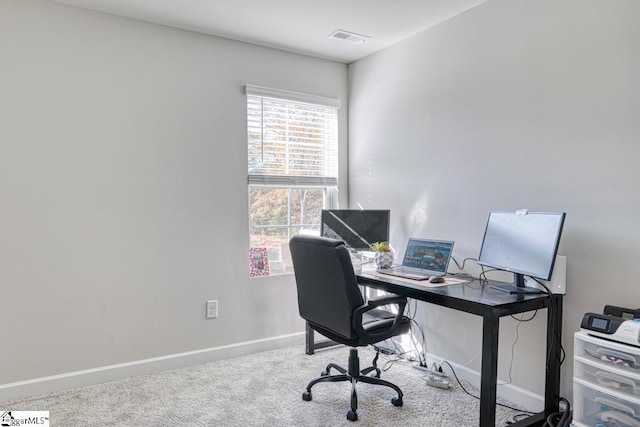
268, 206
306, 204
277, 214
276, 240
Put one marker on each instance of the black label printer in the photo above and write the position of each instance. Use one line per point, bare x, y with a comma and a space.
615, 323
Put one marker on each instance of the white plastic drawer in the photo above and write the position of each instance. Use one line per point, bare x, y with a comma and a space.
594, 405
621, 356
607, 376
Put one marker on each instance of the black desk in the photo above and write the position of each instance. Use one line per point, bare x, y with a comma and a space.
491, 304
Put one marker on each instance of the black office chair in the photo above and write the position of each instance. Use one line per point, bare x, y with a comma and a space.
330, 300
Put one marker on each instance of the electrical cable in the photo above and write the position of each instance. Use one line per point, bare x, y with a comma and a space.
526, 320
399, 353
388, 364
483, 276
557, 341
560, 419
471, 360
415, 326
513, 346
421, 356
420, 347
461, 267
478, 397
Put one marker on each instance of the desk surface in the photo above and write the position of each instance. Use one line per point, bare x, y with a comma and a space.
475, 296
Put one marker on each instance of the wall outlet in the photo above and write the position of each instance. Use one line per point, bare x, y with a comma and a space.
212, 309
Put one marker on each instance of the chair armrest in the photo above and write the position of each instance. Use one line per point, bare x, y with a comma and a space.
385, 300
400, 301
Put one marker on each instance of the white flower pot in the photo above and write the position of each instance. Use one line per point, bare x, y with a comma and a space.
383, 259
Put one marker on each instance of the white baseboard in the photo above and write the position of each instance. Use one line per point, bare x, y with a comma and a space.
50, 384
53, 383
521, 397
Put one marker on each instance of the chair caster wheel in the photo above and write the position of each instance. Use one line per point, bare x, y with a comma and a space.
352, 415
306, 396
396, 401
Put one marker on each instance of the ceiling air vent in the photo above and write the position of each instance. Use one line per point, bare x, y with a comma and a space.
348, 36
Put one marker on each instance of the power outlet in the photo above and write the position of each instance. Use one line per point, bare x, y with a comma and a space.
212, 309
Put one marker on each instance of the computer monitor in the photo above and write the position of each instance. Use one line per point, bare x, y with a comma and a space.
358, 229
524, 243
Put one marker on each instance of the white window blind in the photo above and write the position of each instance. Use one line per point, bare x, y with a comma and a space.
292, 138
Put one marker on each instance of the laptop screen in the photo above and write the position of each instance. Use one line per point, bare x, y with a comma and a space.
433, 255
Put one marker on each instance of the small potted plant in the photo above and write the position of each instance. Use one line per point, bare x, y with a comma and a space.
383, 254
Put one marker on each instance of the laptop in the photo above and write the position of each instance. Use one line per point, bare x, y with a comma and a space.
423, 258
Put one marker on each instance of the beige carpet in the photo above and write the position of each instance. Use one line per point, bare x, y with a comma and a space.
264, 389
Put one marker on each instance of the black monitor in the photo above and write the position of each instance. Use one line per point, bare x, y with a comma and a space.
524, 243
358, 229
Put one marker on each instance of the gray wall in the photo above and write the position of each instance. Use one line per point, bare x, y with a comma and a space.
514, 104
123, 189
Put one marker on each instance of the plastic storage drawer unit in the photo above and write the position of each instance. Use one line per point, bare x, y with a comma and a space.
606, 376
596, 406
606, 383
610, 353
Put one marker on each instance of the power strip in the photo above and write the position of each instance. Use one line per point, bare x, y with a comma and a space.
429, 371
437, 382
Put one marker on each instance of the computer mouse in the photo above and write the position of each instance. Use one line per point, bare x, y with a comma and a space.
436, 279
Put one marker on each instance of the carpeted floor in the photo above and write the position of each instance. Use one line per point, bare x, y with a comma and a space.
263, 389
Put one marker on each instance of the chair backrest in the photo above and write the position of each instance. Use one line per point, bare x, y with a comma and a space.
328, 291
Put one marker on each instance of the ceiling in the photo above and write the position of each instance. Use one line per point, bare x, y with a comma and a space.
300, 26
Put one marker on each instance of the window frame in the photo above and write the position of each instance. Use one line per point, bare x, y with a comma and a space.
290, 182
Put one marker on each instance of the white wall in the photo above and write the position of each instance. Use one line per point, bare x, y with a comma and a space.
514, 104
123, 189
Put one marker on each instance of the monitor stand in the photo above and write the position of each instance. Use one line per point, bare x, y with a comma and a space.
518, 287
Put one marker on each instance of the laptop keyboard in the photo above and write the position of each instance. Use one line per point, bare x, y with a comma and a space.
402, 272
415, 276
408, 273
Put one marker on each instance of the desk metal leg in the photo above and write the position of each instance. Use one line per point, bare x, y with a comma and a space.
552, 377
554, 335
489, 374
311, 345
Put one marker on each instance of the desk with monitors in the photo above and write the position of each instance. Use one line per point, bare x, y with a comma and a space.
482, 299
526, 244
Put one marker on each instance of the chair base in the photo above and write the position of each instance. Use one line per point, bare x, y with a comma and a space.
359, 376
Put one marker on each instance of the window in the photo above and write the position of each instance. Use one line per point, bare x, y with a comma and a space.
293, 167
